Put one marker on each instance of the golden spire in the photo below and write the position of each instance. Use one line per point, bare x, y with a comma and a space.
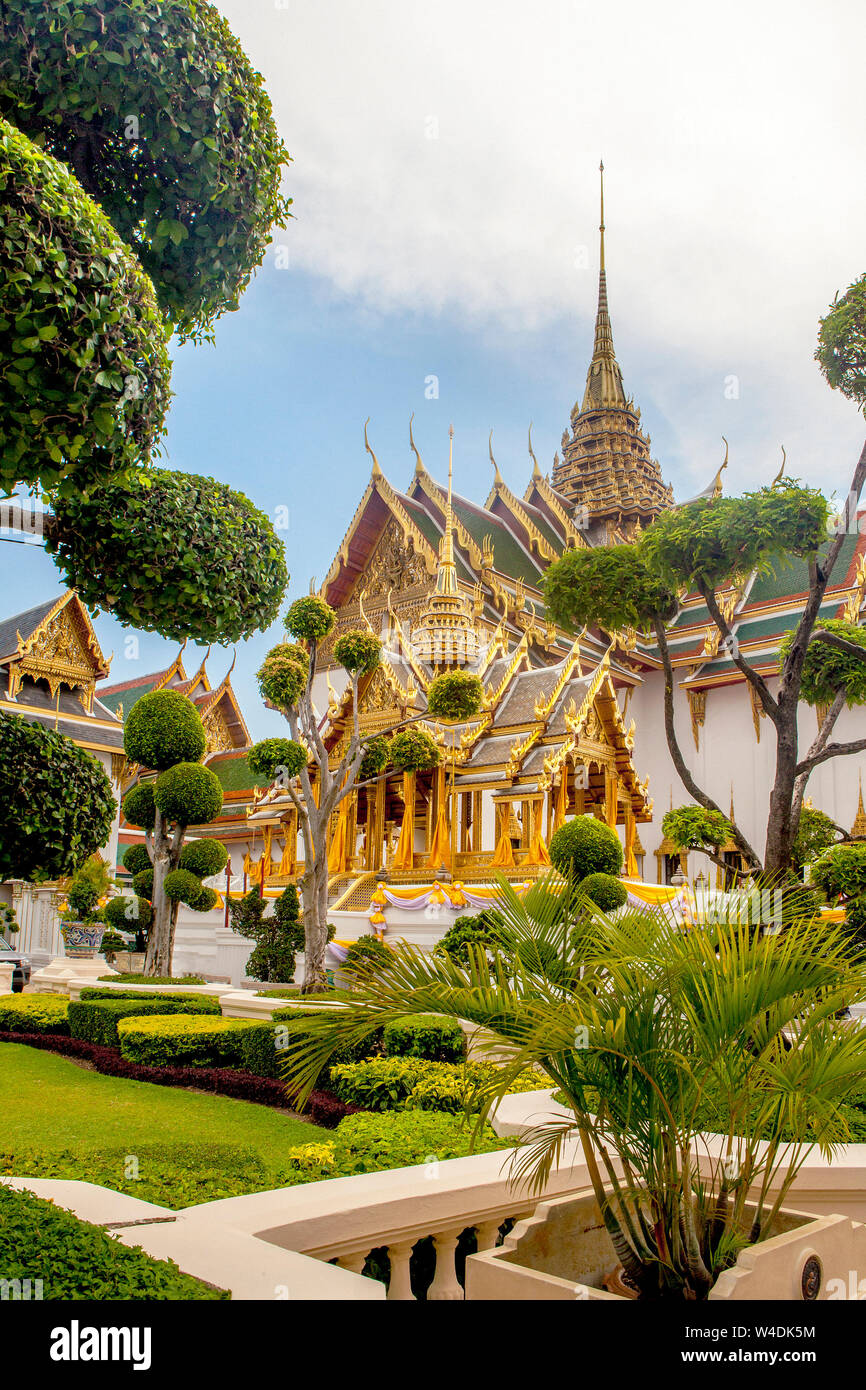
497, 476
446, 578
377, 472
446, 634
858, 829
536, 471
604, 378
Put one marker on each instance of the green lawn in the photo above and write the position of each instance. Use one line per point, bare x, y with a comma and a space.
61, 1120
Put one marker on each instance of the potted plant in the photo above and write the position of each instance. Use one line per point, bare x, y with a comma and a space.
82, 925
651, 1035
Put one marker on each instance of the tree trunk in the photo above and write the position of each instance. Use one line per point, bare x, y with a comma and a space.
315, 890
158, 959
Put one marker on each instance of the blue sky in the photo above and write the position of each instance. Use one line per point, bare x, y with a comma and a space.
445, 185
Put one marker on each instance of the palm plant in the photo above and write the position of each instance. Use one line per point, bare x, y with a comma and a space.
653, 1034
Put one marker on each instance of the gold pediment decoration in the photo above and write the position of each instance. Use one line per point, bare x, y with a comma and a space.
63, 651
395, 564
217, 732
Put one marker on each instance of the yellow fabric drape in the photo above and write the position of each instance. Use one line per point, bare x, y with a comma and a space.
287, 862
503, 857
337, 854
248, 863
403, 857
561, 800
610, 789
630, 827
538, 854
440, 846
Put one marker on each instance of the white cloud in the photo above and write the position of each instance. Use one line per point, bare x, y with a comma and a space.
732, 138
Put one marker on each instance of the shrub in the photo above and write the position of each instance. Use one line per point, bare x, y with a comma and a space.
414, 750
182, 887
277, 936
310, 618
188, 794
183, 1040
204, 901
585, 846
815, 833
358, 652
77, 1261
455, 695
605, 891
366, 954
94, 991
58, 804
204, 858
139, 809
34, 1013
136, 859
411, 1083
273, 756
163, 728
841, 869
425, 1035
308, 1163
292, 1018
129, 914
370, 1143
483, 930
96, 1020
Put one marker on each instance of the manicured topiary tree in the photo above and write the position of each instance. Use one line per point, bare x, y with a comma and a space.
130, 914
482, 931
414, 750
138, 150
285, 680
455, 695
164, 733
605, 891
58, 803
584, 846
192, 177
278, 935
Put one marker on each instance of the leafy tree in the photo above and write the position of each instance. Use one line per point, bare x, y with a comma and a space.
694, 827
714, 541
171, 553
278, 935
130, 915
58, 803
414, 750
815, 833
191, 179
482, 931
138, 150
165, 726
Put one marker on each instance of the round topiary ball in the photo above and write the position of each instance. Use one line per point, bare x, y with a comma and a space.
164, 728
358, 652
585, 846
138, 806
455, 695
283, 676
188, 794
310, 618
377, 755
205, 901
275, 757
182, 886
136, 859
414, 750
128, 914
605, 891
86, 371
204, 858
143, 884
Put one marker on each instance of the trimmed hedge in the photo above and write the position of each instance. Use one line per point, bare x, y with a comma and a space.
425, 1035
34, 1013
76, 1261
371, 1046
411, 1083
183, 1040
94, 992
96, 1020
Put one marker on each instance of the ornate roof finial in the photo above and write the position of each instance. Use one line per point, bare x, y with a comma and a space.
717, 481
858, 829
781, 473
601, 224
536, 471
377, 472
497, 476
419, 466
604, 379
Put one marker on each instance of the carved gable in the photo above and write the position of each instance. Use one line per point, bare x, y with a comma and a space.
394, 564
63, 651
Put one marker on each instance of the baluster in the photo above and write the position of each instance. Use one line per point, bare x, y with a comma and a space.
354, 1262
487, 1234
400, 1285
445, 1285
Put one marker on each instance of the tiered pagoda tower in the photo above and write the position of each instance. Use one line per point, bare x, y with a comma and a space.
606, 472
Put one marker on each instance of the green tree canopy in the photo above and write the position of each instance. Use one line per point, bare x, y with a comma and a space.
827, 670
414, 750
694, 827
584, 846
274, 755
172, 553
611, 585
156, 107
85, 381
841, 351
58, 803
455, 695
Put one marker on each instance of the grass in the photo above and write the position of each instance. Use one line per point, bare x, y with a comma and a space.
67, 1121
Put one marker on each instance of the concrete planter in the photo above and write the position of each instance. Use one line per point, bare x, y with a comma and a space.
563, 1252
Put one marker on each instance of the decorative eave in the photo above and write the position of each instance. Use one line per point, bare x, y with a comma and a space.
73, 658
537, 542
379, 486
519, 656
424, 482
